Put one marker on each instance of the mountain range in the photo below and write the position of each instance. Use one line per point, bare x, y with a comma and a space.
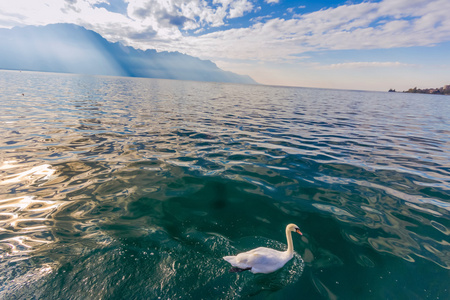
68, 48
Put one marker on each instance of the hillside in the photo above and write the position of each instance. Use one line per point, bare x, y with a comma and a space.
68, 48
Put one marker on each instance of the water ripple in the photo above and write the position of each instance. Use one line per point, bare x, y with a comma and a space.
159, 179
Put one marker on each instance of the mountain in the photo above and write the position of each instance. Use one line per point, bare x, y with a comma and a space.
68, 48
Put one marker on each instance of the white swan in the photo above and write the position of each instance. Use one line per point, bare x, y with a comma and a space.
264, 260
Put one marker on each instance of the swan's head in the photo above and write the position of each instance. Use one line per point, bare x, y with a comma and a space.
294, 228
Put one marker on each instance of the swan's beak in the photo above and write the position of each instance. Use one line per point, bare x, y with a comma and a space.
298, 231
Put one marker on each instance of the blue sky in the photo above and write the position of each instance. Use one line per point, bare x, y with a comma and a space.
369, 45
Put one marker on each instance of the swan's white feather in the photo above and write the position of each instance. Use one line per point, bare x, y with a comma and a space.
264, 260
260, 260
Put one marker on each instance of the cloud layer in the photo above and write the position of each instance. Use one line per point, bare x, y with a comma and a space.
388, 24
177, 25
358, 65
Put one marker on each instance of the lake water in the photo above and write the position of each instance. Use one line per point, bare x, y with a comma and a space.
128, 188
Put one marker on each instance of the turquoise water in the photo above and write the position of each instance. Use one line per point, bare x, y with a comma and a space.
126, 188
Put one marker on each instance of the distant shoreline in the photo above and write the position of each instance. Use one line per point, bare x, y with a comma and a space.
437, 91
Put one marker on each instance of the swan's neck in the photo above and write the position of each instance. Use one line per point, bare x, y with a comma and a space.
290, 250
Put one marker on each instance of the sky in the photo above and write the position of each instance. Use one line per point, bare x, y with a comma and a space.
360, 45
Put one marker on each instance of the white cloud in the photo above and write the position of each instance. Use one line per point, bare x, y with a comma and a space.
162, 24
164, 16
238, 8
358, 65
387, 24
292, 9
271, 1
259, 19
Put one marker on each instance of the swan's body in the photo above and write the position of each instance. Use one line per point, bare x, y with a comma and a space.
264, 260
